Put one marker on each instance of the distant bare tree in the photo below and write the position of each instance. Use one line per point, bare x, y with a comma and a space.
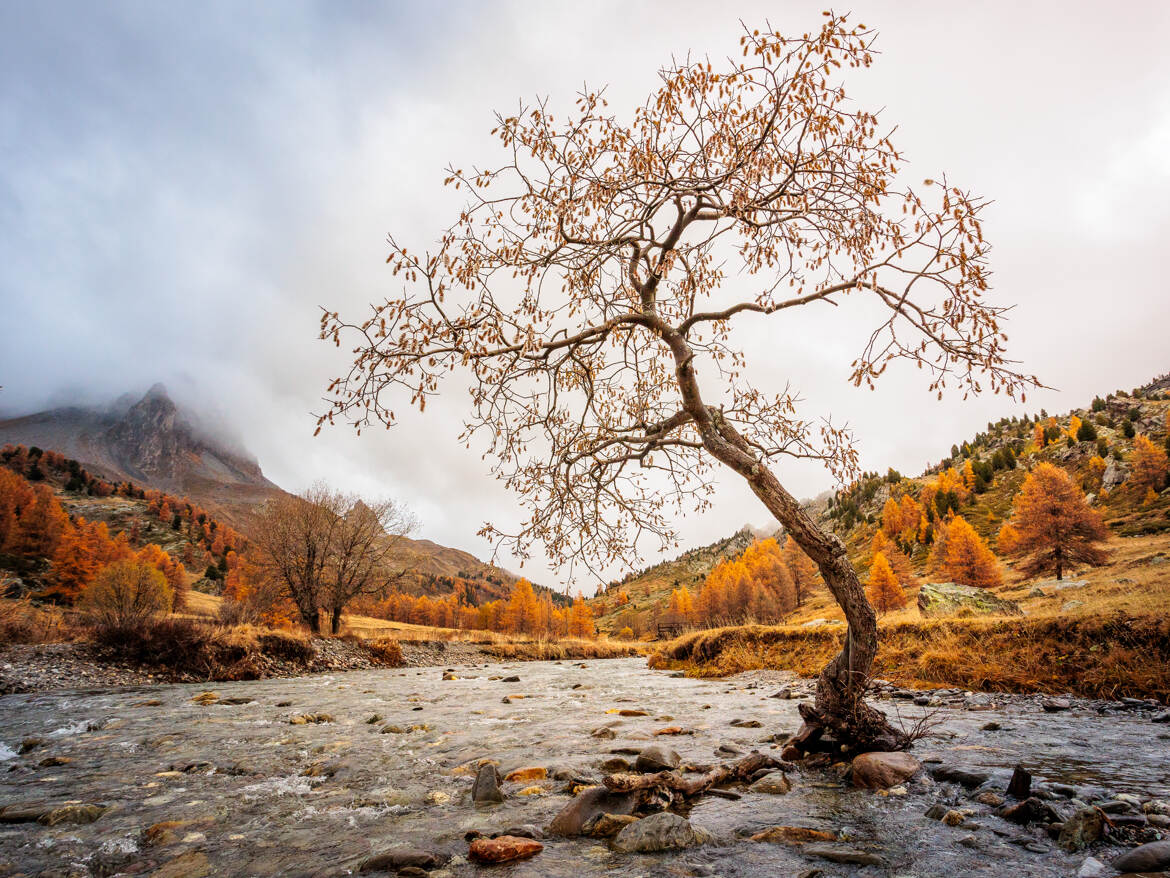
583, 287
368, 552
325, 547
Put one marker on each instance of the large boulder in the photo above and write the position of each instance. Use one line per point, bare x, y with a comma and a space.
949, 598
880, 771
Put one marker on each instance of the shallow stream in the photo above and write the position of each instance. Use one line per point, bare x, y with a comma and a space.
252, 794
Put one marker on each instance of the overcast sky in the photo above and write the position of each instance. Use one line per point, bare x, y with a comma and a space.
182, 185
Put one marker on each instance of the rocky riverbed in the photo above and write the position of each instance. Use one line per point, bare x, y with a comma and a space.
327, 774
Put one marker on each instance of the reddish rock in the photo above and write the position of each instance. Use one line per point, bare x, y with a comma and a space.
503, 849
880, 771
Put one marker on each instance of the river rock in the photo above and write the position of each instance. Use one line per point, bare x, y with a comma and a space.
605, 732
396, 859
948, 598
880, 771
793, 835
1081, 830
1055, 705
836, 854
589, 805
663, 831
311, 719
1157, 806
1020, 786
608, 825
1031, 810
72, 814
486, 789
655, 759
962, 776
1147, 858
775, 783
525, 774
192, 864
1093, 868
1161, 717
503, 849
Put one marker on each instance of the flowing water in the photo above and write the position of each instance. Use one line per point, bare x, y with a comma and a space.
252, 794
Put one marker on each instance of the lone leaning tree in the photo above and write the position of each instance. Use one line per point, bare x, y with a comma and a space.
583, 289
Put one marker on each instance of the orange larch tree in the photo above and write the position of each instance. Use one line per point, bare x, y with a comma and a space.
965, 557
1147, 465
885, 593
1055, 525
802, 568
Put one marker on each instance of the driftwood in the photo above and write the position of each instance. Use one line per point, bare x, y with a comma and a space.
655, 792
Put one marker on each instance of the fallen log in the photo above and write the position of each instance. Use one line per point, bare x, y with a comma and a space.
664, 788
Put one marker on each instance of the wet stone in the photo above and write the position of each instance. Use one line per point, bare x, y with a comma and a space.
1146, 858
504, 849
663, 831
486, 789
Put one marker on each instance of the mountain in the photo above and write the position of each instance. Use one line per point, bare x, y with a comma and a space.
154, 443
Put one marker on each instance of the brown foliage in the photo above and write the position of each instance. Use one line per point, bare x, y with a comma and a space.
1054, 525
960, 555
883, 590
1147, 465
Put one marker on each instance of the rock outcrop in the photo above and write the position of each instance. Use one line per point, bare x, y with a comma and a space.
950, 598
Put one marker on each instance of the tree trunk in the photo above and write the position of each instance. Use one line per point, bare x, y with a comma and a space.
335, 621
840, 706
313, 620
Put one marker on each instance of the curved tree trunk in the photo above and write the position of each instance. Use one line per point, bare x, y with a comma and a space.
840, 701
335, 621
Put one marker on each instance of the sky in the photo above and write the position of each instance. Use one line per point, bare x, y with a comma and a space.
183, 186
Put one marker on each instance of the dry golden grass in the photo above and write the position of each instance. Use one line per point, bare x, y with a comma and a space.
1107, 657
22, 621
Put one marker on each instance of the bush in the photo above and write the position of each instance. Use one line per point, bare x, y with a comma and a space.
126, 594
1086, 432
1127, 429
626, 633
388, 651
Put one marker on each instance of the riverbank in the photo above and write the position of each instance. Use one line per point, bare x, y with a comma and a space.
226, 654
321, 775
1111, 657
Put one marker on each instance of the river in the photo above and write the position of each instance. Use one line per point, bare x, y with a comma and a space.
249, 793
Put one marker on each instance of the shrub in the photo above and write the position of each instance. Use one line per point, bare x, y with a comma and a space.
626, 633
1086, 432
126, 594
388, 651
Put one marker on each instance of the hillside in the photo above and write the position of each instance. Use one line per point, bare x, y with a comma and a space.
999, 458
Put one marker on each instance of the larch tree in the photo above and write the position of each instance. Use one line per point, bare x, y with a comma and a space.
892, 518
884, 590
592, 286
963, 556
1054, 524
1147, 465
802, 569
